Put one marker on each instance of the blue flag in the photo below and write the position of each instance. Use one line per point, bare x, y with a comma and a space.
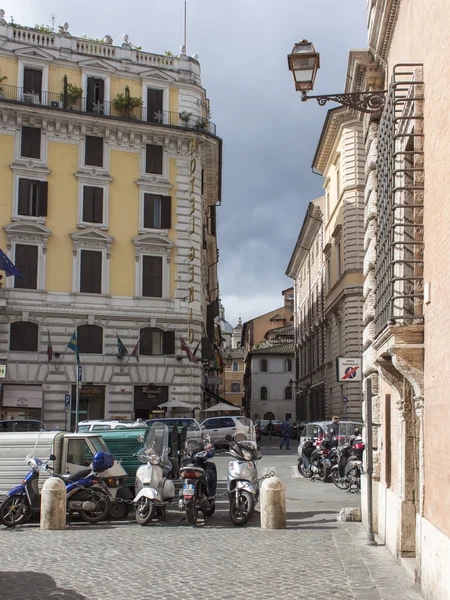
73, 345
6, 265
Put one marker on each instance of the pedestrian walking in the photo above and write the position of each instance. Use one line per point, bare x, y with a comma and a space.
270, 428
333, 429
286, 433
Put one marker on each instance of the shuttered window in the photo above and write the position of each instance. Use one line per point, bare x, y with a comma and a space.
92, 204
95, 95
26, 261
157, 211
23, 336
33, 198
154, 159
156, 341
93, 155
32, 82
91, 272
31, 142
152, 276
154, 105
90, 339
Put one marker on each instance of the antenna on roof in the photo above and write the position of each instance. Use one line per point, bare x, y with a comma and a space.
53, 22
183, 47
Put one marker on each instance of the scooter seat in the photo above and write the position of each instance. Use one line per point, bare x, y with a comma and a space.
81, 474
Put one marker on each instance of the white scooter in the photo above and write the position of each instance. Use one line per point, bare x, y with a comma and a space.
154, 488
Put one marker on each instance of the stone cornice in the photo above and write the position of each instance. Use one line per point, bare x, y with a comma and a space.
336, 117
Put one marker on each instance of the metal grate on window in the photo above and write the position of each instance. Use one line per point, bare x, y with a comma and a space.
399, 261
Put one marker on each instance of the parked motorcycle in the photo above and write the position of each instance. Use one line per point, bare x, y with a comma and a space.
346, 474
86, 493
199, 476
154, 485
242, 476
314, 459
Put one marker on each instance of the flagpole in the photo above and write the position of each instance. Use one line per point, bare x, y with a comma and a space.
77, 401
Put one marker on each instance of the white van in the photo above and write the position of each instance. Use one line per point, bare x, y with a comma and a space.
106, 425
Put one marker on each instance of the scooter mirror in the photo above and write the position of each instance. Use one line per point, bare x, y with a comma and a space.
52, 457
140, 438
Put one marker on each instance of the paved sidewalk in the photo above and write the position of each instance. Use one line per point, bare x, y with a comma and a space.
315, 558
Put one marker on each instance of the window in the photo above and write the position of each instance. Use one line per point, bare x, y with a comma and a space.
27, 262
157, 211
90, 339
155, 106
33, 198
91, 272
95, 95
339, 259
31, 142
156, 341
154, 159
23, 336
152, 271
92, 204
32, 82
288, 365
338, 181
235, 365
263, 393
263, 366
328, 274
93, 151
235, 388
79, 453
288, 393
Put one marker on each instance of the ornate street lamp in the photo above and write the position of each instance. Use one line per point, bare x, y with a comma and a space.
304, 63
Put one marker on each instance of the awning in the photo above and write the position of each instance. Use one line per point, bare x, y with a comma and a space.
218, 398
222, 407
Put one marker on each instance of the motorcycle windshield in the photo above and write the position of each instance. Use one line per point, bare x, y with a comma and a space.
32, 461
246, 431
196, 439
156, 445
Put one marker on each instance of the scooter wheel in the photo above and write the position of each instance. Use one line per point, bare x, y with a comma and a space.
14, 510
119, 510
342, 484
242, 506
191, 509
103, 507
145, 511
302, 471
211, 510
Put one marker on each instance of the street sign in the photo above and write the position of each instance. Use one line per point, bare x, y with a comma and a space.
348, 369
213, 380
2, 371
80, 372
67, 400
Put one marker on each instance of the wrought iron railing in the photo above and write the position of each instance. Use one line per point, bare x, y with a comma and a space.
400, 245
117, 110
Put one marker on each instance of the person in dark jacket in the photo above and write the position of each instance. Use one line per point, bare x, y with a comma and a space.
286, 433
334, 427
270, 428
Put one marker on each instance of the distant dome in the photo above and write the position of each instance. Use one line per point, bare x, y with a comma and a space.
225, 327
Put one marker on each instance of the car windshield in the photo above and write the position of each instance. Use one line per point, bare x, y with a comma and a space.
99, 444
83, 428
156, 443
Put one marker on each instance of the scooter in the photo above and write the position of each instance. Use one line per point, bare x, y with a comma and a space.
242, 476
313, 461
154, 486
346, 475
199, 476
86, 493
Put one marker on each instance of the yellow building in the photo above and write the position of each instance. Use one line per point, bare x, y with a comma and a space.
111, 173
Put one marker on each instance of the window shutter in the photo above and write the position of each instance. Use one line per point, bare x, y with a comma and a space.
88, 203
149, 211
23, 207
168, 342
145, 345
154, 159
166, 212
31, 142
98, 205
90, 94
154, 104
91, 272
32, 82
212, 215
90, 339
27, 263
23, 336
152, 276
93, 155
42, 199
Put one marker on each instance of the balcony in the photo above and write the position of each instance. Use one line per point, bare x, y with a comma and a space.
57, 101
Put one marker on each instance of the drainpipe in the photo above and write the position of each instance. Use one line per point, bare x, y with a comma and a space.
370, 535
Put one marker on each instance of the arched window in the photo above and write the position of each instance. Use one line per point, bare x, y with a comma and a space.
288, 365
90, 339
156, 341
263, 365
263, 393
288, 393
23, 336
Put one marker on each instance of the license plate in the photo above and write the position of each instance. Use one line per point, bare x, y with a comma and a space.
188, 489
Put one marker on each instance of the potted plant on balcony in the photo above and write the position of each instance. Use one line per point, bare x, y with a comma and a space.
74, 94
185, 116
125, 103
2, 93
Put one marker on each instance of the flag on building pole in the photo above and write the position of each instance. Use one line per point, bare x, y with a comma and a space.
135, 352
10, 269
49, 347
73, 345
189, 353
121, 350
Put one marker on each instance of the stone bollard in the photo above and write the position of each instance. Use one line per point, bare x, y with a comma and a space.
53, 504
273, 504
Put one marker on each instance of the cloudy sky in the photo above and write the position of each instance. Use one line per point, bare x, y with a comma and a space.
269, 135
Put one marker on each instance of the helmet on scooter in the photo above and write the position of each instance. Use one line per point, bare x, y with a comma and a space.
102, 461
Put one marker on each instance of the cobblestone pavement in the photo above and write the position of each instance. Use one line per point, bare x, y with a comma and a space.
315, 558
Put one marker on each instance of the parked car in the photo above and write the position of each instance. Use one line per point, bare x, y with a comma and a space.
319, 429
219, 427
170, 421
263, 423
20, 425
106, 425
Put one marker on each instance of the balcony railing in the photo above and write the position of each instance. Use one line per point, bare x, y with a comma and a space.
140, 114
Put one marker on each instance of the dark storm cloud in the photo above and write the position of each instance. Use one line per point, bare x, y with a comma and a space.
269, 135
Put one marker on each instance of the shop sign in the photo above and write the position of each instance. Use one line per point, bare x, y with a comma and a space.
348, 369
149, 396
2, 371
213, 380
22, 396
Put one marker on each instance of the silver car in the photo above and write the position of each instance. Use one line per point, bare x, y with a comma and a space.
219, 427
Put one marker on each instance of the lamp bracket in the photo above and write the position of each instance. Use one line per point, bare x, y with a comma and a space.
367, 102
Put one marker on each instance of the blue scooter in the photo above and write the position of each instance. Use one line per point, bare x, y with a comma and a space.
86, 493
